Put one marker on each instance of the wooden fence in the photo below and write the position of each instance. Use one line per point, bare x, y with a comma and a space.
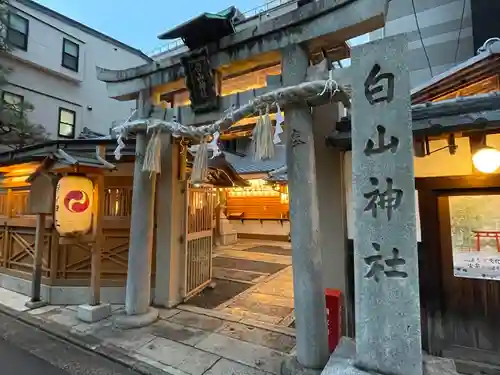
66, 264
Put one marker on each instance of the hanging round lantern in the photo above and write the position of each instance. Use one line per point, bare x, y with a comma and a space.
73, 208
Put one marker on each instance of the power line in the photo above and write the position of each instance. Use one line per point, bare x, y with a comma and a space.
460, 31
421, 38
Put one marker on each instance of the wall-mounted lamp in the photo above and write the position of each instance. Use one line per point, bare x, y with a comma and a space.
422, 146
486, 159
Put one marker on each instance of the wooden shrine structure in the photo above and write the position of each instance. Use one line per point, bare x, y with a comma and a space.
237, 78
66, 266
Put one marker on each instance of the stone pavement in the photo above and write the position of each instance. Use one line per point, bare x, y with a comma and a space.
181, 342
270, 299
248, 334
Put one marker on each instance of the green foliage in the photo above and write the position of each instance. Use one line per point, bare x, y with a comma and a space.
4, 21
15, 128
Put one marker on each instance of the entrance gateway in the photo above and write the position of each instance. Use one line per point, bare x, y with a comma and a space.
313, 29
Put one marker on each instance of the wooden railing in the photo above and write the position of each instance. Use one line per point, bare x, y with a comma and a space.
3, 203
118, 201
14, 203
19, 201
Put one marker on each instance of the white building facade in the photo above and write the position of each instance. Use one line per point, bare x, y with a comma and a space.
440, 34
53, 63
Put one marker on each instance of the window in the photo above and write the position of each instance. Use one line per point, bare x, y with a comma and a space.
17, 31
67, 120
12, 101
71, 55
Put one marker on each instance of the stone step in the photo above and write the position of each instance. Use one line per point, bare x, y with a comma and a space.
476, 368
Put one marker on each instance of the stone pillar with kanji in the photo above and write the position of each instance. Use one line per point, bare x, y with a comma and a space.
388, 338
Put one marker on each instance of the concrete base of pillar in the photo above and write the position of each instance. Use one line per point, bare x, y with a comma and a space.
228, 238
291, 366
92, 314
124, 321
35, 304
342, 362
228, 235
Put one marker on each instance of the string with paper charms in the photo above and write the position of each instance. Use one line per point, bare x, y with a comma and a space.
264, 136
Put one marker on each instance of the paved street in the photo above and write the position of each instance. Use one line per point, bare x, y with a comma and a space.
14, 360
28, 351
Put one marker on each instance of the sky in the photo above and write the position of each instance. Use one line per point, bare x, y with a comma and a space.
138, 23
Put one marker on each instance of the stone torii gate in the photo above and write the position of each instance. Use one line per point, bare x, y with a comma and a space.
318, 229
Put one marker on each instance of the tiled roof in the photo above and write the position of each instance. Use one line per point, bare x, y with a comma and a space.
485, 64
280, 177
247, 164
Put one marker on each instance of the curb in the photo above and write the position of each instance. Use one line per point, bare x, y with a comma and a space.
111, 353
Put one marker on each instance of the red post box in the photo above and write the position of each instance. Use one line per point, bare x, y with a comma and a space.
333, 299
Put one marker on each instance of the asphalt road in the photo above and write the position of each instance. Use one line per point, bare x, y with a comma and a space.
25, 350
16, 361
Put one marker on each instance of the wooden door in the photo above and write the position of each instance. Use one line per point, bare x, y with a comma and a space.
198, 244
471, 300
461, 284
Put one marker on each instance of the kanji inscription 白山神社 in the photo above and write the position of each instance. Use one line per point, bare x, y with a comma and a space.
385, 255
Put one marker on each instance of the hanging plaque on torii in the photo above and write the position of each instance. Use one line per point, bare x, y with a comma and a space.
201, 82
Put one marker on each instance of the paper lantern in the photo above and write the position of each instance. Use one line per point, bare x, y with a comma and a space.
73, 208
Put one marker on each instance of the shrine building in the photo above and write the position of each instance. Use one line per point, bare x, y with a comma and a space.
167, 238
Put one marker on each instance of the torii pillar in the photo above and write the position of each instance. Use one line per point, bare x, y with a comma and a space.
309, 295
138, 308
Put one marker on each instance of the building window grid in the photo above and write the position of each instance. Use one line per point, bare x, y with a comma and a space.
67, 121
18, 31
70, 55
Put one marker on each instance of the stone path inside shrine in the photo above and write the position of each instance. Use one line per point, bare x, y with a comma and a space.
246, 334
252, 280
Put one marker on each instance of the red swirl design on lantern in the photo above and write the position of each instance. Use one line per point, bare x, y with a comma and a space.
76, 201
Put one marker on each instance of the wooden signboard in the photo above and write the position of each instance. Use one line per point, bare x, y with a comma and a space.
41, 198
201, 82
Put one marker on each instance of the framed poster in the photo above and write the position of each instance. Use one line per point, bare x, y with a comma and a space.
475, 236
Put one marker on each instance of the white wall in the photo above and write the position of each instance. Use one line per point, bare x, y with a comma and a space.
267, 227
39, 76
